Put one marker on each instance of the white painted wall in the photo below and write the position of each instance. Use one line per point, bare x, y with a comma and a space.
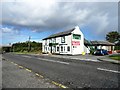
79, 49
68, 42
65, 45
108, 48
86, 49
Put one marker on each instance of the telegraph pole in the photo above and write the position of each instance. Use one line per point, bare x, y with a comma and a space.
29, 46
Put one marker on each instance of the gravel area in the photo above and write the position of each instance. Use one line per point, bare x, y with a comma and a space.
14, 77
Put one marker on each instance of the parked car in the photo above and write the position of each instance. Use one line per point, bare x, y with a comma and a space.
101, 52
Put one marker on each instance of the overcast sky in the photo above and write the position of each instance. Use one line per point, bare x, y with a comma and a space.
24, 18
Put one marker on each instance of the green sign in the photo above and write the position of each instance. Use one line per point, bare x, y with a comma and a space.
76, 36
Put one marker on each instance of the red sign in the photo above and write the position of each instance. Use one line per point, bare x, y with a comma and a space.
75, 43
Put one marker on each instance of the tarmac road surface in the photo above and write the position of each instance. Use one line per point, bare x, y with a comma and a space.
69, 73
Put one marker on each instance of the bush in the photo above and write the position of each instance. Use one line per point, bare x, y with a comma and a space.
92, 51
23, 47
117, 47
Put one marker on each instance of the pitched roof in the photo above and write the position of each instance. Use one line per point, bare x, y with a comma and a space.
86, 42
101, 43
117, 42
60, 34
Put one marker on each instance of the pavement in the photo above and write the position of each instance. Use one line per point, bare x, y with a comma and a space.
19, 77
67, 72
86, 57
107, 59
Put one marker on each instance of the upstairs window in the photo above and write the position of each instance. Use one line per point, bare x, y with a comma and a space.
50, 41
76, 36
54, 40
45, 42
63, 39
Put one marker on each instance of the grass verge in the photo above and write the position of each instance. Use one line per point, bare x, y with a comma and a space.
115, 57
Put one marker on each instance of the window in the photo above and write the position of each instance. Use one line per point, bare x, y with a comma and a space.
64, 48
49, 40
53, 40
54, 48
57, 48
76, 36
74, 47
68, 48
61, 48
45, 42
63, 39
46, 48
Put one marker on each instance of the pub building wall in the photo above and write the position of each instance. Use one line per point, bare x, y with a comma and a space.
67, 44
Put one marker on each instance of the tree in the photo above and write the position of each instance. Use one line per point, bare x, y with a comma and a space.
113, 36
23, 47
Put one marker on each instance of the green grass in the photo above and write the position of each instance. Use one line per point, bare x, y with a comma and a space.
115, 57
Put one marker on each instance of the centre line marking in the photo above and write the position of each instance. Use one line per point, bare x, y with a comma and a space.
28, 70
15, 64
53, 61
20, 66
108, 70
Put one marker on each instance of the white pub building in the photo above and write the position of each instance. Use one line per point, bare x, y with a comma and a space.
68, 42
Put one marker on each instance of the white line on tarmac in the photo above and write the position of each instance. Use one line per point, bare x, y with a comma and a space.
26, 56
108, 70
83, 59
52, 61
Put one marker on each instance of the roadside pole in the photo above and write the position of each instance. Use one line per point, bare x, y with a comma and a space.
29, 46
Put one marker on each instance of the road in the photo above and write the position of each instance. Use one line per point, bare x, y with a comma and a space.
71, 73
16, 77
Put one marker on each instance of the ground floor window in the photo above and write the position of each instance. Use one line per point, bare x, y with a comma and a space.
46, 48
57, 48
64, 48
61, 48
68, 48
53, 48
74, 46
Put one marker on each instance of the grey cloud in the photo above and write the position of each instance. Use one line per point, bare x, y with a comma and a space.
99, 16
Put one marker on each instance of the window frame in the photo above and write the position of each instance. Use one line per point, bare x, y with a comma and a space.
63, 39
57, 48
68, 48
53, 40
61, 48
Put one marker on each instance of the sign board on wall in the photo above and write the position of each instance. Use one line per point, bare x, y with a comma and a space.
75, 43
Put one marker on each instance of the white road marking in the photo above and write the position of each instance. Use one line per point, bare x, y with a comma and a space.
108, 70
26, 56
52, 61
93, 60
83, 59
